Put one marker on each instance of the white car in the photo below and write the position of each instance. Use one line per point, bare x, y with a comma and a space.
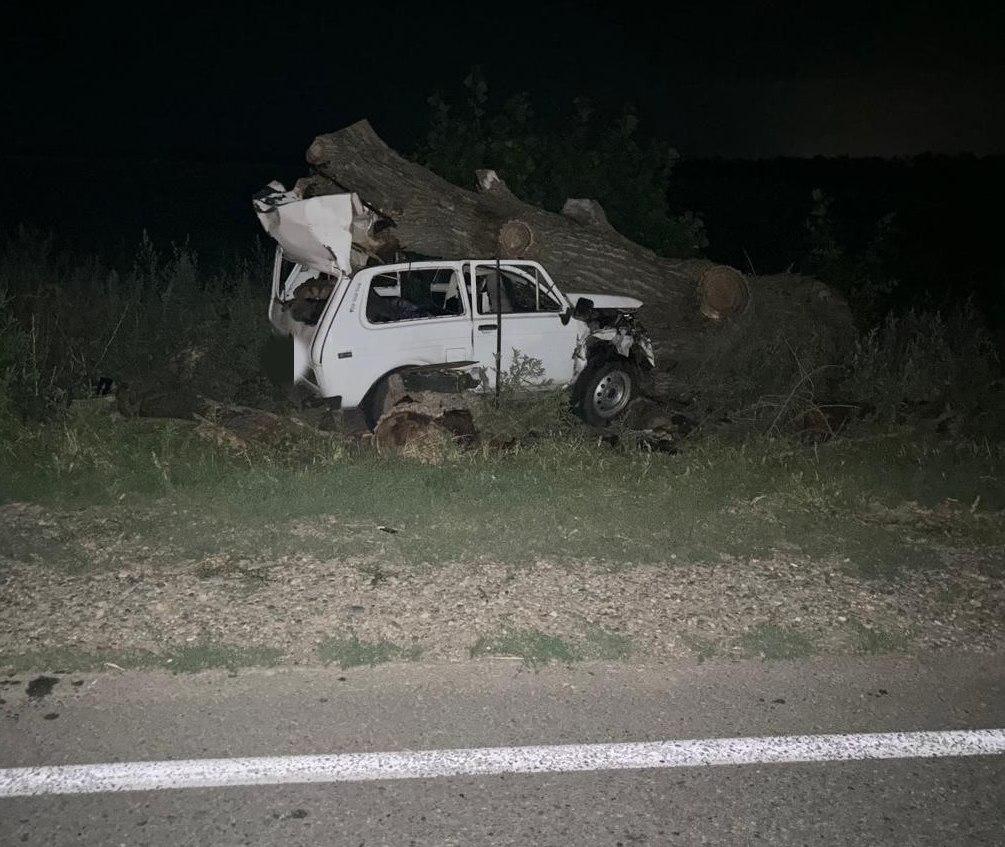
353, 323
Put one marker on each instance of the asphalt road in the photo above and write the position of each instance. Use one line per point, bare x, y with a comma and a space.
144, 716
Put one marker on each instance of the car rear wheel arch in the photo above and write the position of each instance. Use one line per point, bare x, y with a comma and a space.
372, 404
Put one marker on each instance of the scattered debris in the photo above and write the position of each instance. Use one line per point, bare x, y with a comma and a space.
241, 427
665, 612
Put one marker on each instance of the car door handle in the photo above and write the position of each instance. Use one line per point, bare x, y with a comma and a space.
488, 327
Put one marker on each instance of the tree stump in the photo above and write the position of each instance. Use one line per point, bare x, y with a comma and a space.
425, 426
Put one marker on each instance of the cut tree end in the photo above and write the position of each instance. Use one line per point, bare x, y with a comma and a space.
425, 427
516, 238
723, 293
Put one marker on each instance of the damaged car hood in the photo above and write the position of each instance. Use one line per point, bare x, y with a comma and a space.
317, 232
608, 301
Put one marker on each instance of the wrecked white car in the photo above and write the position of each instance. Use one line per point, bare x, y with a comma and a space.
354, 321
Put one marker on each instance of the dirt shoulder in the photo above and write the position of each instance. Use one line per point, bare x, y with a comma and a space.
354, 610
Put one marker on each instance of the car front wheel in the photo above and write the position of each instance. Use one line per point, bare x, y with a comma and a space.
606, 393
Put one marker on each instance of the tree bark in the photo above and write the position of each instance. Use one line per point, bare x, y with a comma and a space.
422, 424
713, 328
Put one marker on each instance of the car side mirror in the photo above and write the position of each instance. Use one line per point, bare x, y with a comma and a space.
583, 309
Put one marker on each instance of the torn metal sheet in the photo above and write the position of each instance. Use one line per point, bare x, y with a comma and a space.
317, 232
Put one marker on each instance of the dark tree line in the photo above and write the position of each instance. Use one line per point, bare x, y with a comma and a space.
578, 152
889, 234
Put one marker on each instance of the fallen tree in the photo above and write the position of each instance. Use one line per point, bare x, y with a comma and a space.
719, 336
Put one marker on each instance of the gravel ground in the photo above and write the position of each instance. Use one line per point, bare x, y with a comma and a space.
677, 609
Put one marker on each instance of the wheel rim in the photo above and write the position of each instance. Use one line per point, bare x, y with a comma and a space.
612, 393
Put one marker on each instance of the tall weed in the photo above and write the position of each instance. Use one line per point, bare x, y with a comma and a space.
930, 365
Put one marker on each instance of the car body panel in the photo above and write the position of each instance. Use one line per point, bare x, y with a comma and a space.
547, 336
357, 352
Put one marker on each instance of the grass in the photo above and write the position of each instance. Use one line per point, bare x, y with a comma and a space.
145, 483
188, 659
775, 642
156, 491
874, 640
702, 648
536, 648
201, 657
69, 659
350, 652
605, 644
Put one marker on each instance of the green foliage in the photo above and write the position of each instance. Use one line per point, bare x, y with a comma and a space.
528, 407
583, 154
192, 658
911, 366
66, 321
776, 642
556, 494
930, 366
13, 357
352, 653
866, 278
558, 499
875, 640
536, 648
607, 645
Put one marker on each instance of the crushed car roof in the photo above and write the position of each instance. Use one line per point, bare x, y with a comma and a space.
317, 231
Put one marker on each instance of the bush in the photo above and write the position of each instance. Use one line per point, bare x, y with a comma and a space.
924, 364
867, 277
527, 408
67, 322
13, 347
585, 154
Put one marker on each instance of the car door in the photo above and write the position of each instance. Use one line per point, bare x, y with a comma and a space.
532, 325
410, 315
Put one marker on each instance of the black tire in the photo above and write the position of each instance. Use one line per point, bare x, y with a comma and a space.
372, 406
605, 391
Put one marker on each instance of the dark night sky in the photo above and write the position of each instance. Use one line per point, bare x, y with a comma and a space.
259, 81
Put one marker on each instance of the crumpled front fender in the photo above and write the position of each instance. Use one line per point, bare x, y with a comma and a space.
623, 339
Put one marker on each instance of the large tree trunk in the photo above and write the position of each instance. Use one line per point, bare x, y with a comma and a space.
718, 335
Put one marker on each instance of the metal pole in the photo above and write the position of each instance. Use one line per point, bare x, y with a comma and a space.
498, 327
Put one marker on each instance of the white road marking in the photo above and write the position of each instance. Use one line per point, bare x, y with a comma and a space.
562, 758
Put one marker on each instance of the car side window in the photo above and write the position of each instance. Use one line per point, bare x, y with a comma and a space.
519, 291
414, 293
